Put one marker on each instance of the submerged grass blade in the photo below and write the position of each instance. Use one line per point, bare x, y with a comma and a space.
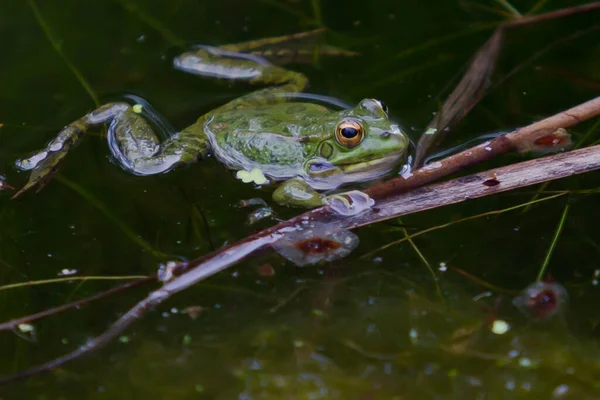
536, 7
424, 260
102, 208
56, 46
70, 279
485, 214
559, 229
510, 8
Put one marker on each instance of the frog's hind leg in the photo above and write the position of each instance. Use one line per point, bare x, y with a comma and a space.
131, 139
225, 64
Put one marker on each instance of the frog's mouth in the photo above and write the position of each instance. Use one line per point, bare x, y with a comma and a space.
324, 175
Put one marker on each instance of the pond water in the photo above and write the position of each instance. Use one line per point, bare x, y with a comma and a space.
374, 325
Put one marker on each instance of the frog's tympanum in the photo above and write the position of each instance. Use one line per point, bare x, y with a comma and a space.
308, 146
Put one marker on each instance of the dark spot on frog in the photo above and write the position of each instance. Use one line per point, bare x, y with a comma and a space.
386, 135
317, 246
296, 108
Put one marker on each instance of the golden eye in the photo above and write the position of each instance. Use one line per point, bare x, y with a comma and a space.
349, 134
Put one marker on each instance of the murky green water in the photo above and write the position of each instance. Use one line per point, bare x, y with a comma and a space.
371, 326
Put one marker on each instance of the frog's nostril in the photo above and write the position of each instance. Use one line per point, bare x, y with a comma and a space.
386, 135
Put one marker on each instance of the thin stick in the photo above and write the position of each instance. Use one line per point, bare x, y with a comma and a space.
10, 325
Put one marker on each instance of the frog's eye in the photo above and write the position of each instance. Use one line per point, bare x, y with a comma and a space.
349, 134
383, 106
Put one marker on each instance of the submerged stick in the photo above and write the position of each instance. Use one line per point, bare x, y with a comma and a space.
454, 191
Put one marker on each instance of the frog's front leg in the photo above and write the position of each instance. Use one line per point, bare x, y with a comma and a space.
296, 192
131, 139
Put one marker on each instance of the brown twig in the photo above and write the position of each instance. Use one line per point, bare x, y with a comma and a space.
13, 323
520, 138
454, 191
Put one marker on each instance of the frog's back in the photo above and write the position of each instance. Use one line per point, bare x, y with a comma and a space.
272, 138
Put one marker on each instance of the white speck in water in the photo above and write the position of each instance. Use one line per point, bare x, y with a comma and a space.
174, 310
596, 273
560, 390
235, 274
500, 327
49, 255
67, 271
443, 267
513, 353
413, 334
141, 38
516, 229
510, 385
165, 314
525, 362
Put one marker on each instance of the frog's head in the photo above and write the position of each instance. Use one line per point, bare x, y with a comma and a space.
364, 145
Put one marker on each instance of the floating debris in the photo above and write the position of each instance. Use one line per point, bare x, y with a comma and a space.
167, 271
255, 201
25, 331
500, 327
315, 243
265, 270
541, 300
67, 272
3, 184
259, 214
254, 175
193, 311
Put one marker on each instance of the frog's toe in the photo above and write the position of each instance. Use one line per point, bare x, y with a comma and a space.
349, 203
43, 166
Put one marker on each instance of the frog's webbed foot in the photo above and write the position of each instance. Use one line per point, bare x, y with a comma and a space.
131, 140
349, 203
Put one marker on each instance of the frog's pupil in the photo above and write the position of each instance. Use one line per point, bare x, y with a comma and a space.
349, 133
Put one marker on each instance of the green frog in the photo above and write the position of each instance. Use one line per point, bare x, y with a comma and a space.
308, 147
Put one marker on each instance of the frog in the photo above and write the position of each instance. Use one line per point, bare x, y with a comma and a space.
309, 150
